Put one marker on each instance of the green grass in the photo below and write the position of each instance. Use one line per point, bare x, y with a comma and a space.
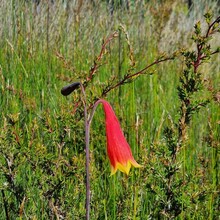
42, 171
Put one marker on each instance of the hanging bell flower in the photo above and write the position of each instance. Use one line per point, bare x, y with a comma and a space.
118, 149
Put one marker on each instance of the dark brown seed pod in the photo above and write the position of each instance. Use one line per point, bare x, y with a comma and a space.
66, 90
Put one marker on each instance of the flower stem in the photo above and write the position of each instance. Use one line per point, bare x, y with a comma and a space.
87, 170
66, 91
87, 131
92, 113
87, 154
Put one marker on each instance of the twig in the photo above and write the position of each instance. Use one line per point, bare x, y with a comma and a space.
200, 46
96, 62
217, 20
130, 76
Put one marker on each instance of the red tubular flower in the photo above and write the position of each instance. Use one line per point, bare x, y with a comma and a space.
118, 149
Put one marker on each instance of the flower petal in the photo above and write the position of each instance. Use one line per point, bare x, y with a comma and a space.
118, 149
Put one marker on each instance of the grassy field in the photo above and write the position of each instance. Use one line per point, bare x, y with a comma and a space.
170, 113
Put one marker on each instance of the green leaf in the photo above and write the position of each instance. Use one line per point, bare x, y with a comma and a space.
208, 17
198, 28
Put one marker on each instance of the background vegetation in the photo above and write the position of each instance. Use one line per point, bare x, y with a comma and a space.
169, 113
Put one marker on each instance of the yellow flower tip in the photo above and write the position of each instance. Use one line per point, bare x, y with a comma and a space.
124, 168
113, 171
135, 164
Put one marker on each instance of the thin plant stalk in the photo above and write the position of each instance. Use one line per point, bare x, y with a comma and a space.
66, 91
87, 132
87, 153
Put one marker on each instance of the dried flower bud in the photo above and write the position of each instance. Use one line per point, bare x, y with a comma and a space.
66, 90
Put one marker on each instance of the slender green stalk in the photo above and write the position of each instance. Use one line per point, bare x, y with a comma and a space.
87, 154
66, 91
5, 205
18, 58
87, 131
